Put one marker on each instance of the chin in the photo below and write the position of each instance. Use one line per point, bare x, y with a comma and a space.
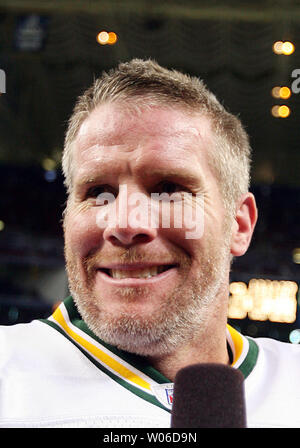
153, 334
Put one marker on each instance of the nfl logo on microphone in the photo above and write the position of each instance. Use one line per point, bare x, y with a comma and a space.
169, 393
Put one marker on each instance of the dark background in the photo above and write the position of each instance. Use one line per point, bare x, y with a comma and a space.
49, 52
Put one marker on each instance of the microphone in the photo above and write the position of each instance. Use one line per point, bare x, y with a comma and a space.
208, 396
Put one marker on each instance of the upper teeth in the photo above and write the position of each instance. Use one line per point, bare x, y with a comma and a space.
143, 273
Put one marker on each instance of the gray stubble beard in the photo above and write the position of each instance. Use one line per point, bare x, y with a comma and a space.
178, 320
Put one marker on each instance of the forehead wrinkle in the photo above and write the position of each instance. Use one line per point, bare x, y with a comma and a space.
173, 163
110, 132
114, 125
96, 155
99, 144
172, 172
99, 164
105, 138
91, 172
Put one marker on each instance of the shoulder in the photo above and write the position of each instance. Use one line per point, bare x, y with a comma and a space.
20, 334
280, 362
272, 387
24, 343
277, 351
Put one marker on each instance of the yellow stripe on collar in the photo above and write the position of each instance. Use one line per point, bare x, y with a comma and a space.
237, 345
103, 357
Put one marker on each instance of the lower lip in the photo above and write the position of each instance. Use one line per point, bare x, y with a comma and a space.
134, 281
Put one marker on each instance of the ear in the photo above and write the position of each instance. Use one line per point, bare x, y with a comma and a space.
244, 223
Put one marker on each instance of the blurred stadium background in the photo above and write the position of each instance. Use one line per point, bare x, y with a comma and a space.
51, 50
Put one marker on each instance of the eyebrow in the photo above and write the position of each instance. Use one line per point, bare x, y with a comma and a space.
182, 175
88, 179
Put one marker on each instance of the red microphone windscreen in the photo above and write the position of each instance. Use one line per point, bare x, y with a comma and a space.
208, 396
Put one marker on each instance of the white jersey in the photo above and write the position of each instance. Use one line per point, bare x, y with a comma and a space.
57, 373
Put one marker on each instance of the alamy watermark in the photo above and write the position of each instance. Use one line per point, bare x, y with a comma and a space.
295, 86
2, 81
161, 210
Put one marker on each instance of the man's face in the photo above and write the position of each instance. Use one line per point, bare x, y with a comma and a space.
141, 286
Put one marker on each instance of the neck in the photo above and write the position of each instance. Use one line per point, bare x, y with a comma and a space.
210, 346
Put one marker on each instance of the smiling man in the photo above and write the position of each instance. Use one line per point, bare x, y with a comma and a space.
150, 290
148, 295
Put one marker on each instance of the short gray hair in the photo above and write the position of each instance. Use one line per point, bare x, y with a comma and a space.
146, 83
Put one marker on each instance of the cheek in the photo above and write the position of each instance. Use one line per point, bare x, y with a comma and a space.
176, 240
81, 232
188, 225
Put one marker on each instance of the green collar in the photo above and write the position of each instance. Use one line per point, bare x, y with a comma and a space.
132, 371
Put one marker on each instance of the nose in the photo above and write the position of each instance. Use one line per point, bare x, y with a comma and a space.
132, 219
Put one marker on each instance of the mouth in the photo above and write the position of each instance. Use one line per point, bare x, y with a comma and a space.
130, 271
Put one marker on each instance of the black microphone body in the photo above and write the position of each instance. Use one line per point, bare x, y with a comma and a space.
209, 396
